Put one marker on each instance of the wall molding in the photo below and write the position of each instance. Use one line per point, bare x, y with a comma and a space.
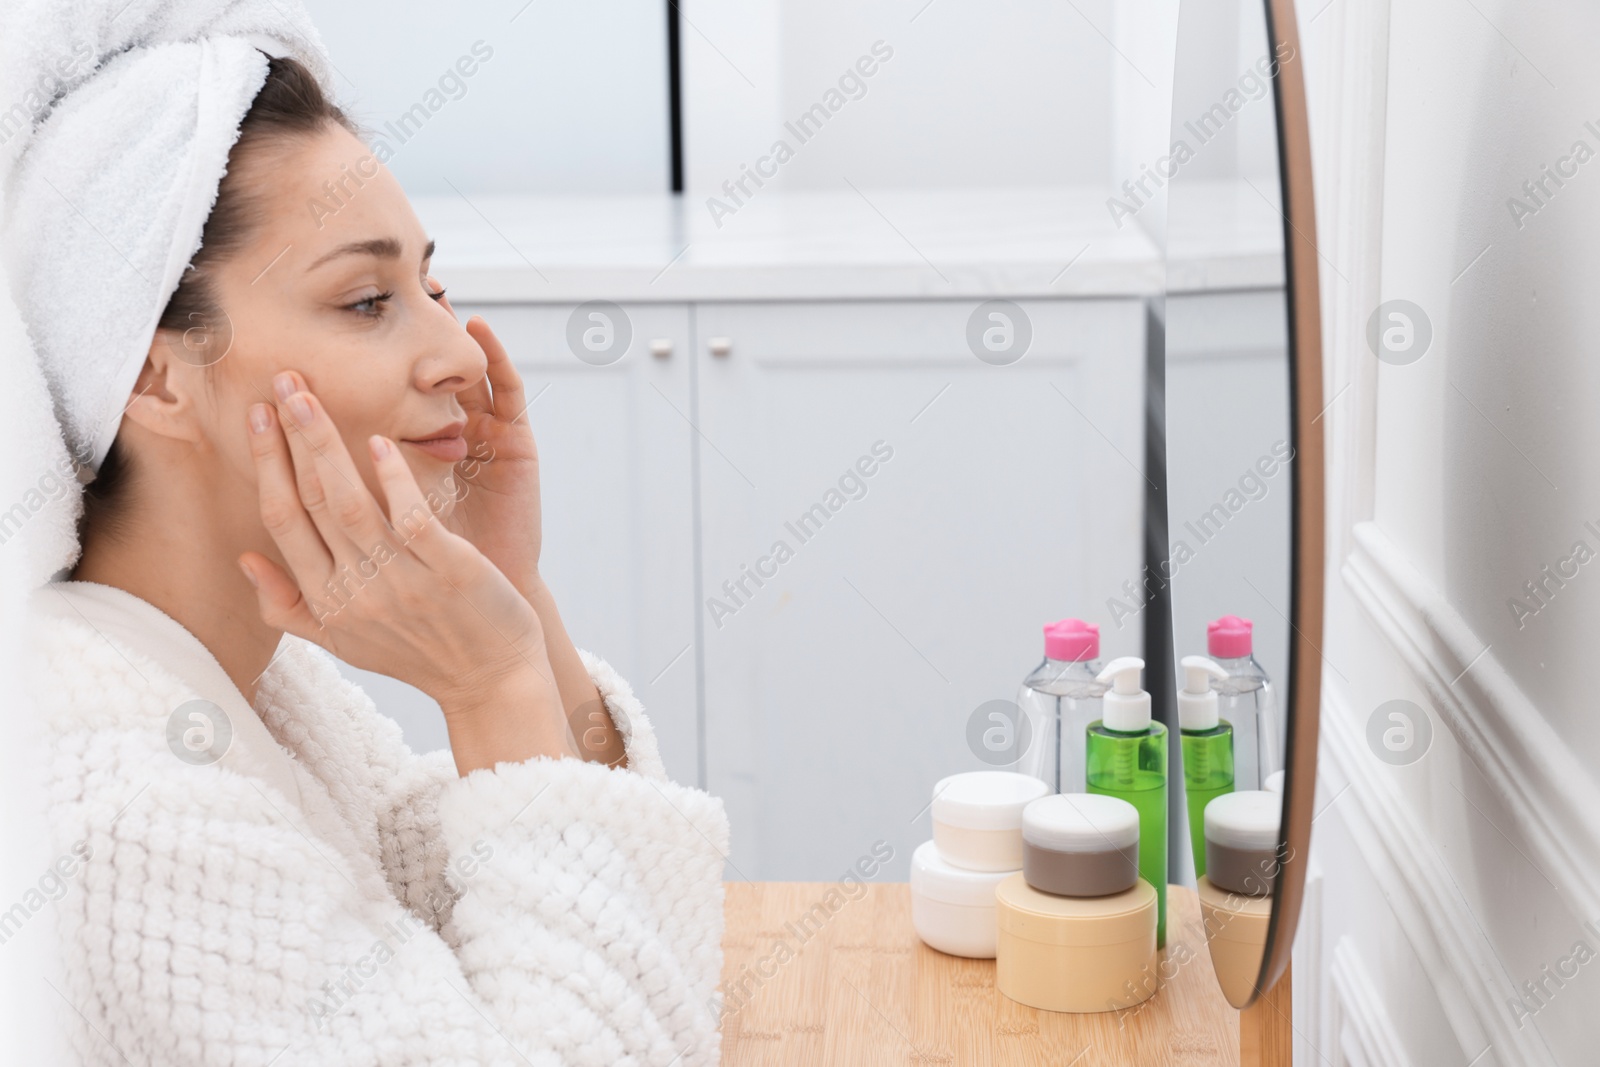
1501, 732
1469, 981
1359, 1022
1538, 779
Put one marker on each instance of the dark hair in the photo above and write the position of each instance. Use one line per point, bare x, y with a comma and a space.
290, 104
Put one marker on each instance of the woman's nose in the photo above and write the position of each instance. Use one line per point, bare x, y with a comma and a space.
451, 360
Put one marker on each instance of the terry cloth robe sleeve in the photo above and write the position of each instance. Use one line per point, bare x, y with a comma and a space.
403, 788
216, 925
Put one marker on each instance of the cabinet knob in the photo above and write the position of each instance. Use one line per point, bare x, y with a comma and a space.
720, 346
660, 347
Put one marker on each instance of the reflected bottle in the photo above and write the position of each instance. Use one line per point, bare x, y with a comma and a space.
1061, 698
1207, 741
1127, 758
1247, 700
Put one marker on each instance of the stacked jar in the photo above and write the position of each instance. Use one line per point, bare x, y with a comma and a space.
1076, 927
977, 844
1243, 857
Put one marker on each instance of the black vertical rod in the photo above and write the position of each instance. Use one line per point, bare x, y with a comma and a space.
675, 95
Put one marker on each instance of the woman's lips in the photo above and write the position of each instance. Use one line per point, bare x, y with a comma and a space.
450, 449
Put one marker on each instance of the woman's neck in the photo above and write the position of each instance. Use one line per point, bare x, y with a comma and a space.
186, 564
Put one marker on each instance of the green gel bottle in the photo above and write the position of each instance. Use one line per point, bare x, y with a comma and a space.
1126, 755
1207, 749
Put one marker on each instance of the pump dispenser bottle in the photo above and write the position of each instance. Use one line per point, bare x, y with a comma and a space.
1207, 749
1127, 758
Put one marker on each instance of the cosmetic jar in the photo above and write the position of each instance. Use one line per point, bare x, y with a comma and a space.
1274, 783
952, 908
1077, 954
1236, 935
1242, 841
1080, 845
977, 818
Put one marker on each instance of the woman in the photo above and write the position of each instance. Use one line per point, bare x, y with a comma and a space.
317, 458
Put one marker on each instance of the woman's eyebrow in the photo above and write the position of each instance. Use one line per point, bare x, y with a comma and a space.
383, 247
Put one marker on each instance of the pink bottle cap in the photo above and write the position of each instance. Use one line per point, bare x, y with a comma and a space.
1228, 637
1071, 639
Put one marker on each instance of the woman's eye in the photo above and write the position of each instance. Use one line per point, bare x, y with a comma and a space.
434, 294
372, 306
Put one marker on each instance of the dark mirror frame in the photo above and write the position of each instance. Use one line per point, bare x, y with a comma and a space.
1302, 696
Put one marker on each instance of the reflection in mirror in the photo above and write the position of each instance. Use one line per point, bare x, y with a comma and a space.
1230, 472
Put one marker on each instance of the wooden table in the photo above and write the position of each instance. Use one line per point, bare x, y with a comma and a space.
849, 983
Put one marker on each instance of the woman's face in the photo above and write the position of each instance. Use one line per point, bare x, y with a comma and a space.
335, 286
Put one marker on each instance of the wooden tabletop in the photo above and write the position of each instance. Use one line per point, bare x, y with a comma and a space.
852, 984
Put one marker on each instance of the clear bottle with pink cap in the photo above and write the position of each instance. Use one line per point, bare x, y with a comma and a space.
1245, 698
1061, 698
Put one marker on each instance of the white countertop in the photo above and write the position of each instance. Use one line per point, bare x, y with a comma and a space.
875, 244
872, 244
1224, 234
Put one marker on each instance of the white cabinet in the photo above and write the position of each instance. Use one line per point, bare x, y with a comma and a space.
816, 536
852, 623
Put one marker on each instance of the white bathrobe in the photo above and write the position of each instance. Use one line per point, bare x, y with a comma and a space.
321, 895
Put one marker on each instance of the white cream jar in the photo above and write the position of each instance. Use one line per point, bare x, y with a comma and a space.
952, 908
977, 818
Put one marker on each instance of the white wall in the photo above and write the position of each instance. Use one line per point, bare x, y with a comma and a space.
1145, 36
572, 97
1009, 94
1449, 883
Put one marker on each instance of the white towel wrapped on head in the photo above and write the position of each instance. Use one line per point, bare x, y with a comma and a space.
51, 46
116, 119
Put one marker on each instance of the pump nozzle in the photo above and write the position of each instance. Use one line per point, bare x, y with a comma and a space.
1197, 702
1127, 707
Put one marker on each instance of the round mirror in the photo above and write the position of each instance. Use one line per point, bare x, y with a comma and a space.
1243, 536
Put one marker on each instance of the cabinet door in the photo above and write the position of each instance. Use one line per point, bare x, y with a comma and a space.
852, 623
617, 511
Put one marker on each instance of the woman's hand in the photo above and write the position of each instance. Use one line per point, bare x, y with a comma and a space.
500, 514
499, 510
392, 590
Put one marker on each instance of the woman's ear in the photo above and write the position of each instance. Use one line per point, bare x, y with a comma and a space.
164, 397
